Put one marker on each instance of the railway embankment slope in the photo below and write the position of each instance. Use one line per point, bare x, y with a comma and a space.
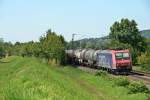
30, 79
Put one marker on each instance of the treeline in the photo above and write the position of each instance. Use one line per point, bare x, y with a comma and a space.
50, 47
123, 34
95, 43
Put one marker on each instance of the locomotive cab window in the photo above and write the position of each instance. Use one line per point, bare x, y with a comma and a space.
126, 55
122, 55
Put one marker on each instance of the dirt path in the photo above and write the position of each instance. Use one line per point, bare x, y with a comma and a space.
90, 88
85, 85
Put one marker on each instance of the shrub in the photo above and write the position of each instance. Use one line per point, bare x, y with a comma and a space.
138, 87
122, 82
142, 58
101, 73
147, 96
144, 61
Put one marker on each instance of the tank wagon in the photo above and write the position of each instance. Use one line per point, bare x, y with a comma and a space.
116, 61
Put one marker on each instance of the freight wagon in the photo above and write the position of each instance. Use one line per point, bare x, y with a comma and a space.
116, 61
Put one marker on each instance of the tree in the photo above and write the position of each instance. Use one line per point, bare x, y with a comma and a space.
53, 47
2, 51
144, 60
8, 48
115, 44
127, 32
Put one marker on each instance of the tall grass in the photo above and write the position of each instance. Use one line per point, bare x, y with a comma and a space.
29, 79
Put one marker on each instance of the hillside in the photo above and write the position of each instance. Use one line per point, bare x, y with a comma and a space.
145, 33
29, 79
90, 43
98, 42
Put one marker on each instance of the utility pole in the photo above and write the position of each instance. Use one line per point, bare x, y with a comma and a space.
73, 35
73, 47
73, 41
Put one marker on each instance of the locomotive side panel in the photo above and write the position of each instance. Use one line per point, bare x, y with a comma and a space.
104, 60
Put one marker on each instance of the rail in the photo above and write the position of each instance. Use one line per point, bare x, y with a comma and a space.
142, 73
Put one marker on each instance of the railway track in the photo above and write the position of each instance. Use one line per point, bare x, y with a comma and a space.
141, 73
140, 76
134, 75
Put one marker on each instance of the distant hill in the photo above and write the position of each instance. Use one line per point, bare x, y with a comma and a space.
90, 43
145, 33
99, 42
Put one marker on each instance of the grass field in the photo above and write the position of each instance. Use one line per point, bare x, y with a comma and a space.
30, 79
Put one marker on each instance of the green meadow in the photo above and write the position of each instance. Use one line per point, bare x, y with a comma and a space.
30, 79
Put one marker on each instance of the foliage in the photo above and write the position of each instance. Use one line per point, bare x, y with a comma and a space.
133, 87
1, 48
126, 31
115, 44
145, 33
101, 73
5, 48
124, 34
27, 78
122, 82
95, 43
144, 60
138, 87
53, 47
50, 47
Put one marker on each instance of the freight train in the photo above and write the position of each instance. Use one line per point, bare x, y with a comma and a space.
114, 61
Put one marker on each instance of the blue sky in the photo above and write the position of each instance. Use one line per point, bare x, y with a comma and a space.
25, 20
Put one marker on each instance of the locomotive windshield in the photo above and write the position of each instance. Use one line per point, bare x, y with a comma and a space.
122, 55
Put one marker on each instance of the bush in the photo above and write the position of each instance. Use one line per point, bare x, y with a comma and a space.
122, 82
144, 61
138, 87
101, 73
147, 96
142, 58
